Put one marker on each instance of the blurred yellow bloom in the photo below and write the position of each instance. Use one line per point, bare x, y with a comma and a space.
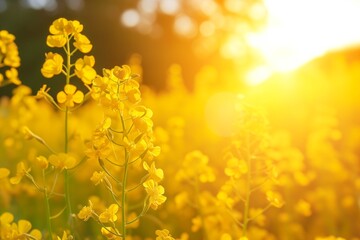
52, 65
21, 171
62, 161
42, 162
275, 199
163, 235
98, 177
4, 173
82, 43
12, 76
84, 69
8, 50
235, 167
86, 212
226, 236
195, 166
330, 238
65, 236
155, 193
109, 215
70, 96
196, 224
108, 232
156, 174
303, 208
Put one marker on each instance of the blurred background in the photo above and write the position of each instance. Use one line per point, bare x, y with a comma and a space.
298, 60
189, 33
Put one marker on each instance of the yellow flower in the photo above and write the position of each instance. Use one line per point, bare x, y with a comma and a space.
43, 162
82, 43
56, 40
53, 65
275, 199
196, 224
225, 236
84, 69
156, 174
86, 212
65, 236
24, 227
70, 96
109, 233
141, 117
163, 235
62, 161
21, 171
123, 72
109, 215
43, 91
59, 26
155, 193
12, 75
8, 50
11, 230
98, 177
235, 167
4, 173
303, 207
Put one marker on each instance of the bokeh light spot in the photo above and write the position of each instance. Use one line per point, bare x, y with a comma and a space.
130, 18
184, 26
169, 7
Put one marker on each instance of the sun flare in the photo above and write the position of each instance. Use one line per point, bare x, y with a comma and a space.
298, 31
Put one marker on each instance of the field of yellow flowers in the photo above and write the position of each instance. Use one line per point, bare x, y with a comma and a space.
108, 158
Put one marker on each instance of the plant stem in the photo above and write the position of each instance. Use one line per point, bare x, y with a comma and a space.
248, 191
47, 204
66, 172
123, 195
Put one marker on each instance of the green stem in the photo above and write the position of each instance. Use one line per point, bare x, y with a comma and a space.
248, 192
123, 196
47, 204
66, 172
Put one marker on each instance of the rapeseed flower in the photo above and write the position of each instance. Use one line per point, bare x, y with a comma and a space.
84, 69
109, 215
70, 96
155, 193
21, 171
53, 65
163, 234
62, 161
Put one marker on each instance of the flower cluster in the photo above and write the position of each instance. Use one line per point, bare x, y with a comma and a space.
63, 32
9, 58
10, 230
123, 146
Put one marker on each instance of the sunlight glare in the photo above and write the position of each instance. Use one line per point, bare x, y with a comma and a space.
221, 113
299, 31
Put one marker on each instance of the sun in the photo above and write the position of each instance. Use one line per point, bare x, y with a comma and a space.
298, 31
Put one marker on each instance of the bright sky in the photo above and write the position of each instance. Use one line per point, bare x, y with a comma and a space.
300, 30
